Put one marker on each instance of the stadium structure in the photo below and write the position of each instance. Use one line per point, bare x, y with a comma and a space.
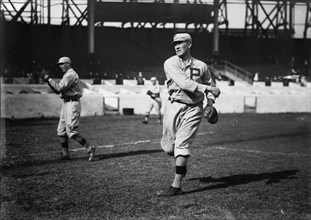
106, 38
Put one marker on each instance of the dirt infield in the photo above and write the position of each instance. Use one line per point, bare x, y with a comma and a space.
246, 166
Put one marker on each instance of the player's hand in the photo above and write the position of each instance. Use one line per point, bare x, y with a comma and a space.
44, 76
214, 90
210, 101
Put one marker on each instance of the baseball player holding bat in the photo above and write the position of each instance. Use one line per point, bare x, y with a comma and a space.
154, 100
70, 92
188, 83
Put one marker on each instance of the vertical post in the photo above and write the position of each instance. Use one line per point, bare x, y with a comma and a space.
49, 12
216, 31
308, 19
36, 12
291, 18
91, 21
1, 45
307, 47
31, 12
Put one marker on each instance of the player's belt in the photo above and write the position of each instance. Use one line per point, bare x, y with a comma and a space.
174, 100
71, 98
189, 104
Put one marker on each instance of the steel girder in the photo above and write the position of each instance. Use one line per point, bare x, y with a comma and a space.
260, 21
273, 18
73, 12
274, 21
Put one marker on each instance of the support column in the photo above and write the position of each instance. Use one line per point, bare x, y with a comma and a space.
308, 20
216, 30
91, 21
1, 44
49, 12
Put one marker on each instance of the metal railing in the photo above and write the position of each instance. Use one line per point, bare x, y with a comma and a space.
235, 70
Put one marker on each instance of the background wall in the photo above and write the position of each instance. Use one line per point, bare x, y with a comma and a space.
35, 101
45, 106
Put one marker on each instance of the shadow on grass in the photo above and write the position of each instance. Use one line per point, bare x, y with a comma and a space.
34, 162
224, 182
126, 154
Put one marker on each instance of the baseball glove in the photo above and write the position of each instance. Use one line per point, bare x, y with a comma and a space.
44, 76
149, 92
210, 113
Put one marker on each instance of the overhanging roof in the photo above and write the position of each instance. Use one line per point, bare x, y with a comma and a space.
153, 12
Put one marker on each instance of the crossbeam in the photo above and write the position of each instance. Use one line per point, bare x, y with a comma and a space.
259, 20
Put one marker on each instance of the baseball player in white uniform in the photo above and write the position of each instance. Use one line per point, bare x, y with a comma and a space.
70, 92
188, 83
154, 100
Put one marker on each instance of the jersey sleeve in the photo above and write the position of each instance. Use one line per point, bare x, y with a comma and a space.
207, 80
207, 76
174, 72
65, 83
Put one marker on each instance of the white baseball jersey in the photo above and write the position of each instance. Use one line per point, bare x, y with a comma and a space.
186, 83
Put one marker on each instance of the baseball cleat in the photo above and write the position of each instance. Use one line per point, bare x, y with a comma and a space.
91, 153
145, 122
172, 191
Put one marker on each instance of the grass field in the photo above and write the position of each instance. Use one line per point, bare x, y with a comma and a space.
247, 166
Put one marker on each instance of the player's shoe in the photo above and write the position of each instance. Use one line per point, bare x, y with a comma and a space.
172, 191
145, 122
91, 152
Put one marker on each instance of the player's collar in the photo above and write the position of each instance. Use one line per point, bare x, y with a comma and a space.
186, 63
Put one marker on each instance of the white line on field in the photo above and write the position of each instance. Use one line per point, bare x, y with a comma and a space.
83, 149
156, 141
114, 145
262, 152
107, 146
203, 133
132, 143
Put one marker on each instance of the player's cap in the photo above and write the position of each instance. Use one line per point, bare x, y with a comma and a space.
182, 37
153, 79
64, 60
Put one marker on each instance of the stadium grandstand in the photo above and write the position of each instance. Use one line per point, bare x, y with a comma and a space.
41, 30
105, 38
